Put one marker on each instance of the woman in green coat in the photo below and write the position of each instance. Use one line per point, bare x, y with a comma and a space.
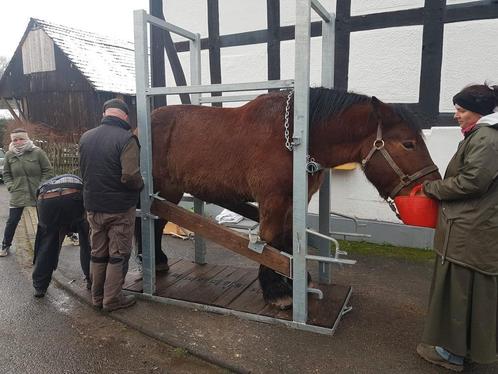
26, 166
461, 322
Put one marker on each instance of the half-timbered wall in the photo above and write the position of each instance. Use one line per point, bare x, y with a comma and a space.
411, 51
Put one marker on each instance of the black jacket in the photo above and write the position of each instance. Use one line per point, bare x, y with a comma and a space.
101, 169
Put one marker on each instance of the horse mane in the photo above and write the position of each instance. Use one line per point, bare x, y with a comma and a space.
326, 102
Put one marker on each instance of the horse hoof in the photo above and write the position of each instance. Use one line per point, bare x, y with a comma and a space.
284, 303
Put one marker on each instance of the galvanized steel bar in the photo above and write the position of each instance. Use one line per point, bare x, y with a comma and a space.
195, 79
170, 27
300, 142
328, 38
229, 87
331, 260
249, 316
143, 120
321, 11
227, 99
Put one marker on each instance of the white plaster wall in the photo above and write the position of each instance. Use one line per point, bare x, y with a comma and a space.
469, 56
353, 194
385, 63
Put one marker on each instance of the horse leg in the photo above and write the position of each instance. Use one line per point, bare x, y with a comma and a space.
276, 229
174, 196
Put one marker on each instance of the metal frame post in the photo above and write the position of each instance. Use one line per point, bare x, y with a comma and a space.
195, 79
299, 139
300, 177
328, 54
144, 133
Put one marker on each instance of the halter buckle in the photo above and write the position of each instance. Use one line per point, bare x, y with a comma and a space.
378, 144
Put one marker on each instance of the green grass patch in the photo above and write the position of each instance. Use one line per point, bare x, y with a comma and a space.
180, 352
386, 250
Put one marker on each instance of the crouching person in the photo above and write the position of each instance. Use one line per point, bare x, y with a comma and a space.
60, 211
109, 162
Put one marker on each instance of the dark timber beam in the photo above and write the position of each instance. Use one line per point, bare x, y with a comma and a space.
158, 69
171, 52
342, 44
432, 56
471, 11
214, 44
273, 47
11, 111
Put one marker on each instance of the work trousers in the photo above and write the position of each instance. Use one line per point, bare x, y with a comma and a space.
57, 217
11, 226
112, 239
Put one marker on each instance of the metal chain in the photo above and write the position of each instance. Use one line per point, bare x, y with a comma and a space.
311, 165
288, 144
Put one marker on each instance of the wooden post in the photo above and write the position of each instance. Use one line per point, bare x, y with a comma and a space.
9, 108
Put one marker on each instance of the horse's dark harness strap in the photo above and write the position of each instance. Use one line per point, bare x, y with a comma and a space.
378, 145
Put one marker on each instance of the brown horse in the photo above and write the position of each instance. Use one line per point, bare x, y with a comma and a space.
229, 156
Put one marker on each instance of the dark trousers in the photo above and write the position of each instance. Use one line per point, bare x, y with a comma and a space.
57, 217
11, 226
159, 224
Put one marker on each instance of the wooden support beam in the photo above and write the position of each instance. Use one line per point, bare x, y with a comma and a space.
226, 237
19, 109
9, 108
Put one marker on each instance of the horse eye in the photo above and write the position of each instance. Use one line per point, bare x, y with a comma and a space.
408, 145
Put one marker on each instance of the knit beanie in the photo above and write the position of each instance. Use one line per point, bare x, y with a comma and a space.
116, 103
19, 134
476, 102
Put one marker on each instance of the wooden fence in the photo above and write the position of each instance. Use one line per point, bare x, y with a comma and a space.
63, 156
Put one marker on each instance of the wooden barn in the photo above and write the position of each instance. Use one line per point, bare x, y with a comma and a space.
60, 76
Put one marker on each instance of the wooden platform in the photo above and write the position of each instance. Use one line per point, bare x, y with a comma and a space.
237, 289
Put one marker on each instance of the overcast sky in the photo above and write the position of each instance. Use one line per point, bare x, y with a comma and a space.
108, 17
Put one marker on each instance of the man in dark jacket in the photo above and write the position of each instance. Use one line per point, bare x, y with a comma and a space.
60, 211
109, 162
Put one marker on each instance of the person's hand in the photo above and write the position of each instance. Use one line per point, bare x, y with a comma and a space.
420, 192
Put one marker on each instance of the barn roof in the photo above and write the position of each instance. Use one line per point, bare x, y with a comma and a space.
108, 64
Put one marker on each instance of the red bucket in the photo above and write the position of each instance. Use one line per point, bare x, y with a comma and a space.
417, 210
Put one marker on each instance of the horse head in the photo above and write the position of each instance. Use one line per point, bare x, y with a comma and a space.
394, 156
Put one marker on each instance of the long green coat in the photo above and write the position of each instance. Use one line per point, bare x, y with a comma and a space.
23, 174
467, 228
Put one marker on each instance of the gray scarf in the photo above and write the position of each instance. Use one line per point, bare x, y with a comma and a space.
20, 149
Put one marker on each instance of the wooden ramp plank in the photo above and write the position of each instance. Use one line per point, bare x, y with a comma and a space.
226, 237
176, 273
324, 312
235, 288
250, 301
238, 289
186, 289
198, 274
133, 281
220, 284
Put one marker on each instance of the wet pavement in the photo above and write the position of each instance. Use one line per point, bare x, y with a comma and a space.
60, 334
378, 336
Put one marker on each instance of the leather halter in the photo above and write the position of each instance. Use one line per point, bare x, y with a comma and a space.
405, 180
